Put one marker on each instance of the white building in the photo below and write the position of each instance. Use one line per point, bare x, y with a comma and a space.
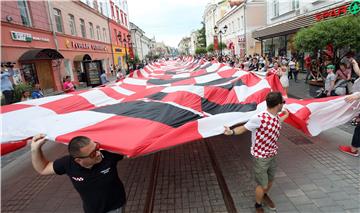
193, 42
213, 12
184, 46
141, 44
285, 18
241, 21
113, 9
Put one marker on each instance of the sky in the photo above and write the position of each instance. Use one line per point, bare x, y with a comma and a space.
168, 20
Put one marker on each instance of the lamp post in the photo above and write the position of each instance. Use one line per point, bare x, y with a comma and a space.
124, 42
220, 32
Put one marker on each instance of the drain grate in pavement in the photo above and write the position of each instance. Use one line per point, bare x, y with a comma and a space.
300, 140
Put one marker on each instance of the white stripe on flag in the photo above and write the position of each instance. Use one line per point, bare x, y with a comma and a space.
123, 91
243, 92
207, 78
214, 125
45, 100
329, 114
182, 75
54, 126
197, 90
213, 67
17, 122
98, 98
135, 81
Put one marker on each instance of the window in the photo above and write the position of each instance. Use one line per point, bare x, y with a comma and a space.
101, 8
122, 17
116, 38
104, 34
242, 23
112, 9
295, 4
276, 8
82, 28
24, 13
58, 20
117, 14
98, 33
72, 24
91, 28
126, 23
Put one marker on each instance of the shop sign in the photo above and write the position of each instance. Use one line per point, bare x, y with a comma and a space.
118, 50
241, 39
353, 8
19, 36
40, 39
78, 45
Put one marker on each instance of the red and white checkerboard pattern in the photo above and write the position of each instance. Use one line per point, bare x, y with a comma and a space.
266, 136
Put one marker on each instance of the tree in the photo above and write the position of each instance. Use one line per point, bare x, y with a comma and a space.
210, 48
341, 33
201, 38
200, 50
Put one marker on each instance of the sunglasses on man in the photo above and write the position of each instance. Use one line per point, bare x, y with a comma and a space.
93, 153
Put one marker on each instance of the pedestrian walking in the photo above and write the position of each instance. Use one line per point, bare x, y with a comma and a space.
93, 173
68, 85
265, 128
355, 142
103, 78
7, 88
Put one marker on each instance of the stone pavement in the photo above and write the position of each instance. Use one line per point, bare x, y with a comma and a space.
312, 176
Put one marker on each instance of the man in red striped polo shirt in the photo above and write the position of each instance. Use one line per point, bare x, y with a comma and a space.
265, 128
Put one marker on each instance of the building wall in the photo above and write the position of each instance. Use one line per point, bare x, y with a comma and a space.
82, 12
287, 11
37, 10
241, 21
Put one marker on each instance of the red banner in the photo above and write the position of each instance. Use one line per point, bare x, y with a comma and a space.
216, 43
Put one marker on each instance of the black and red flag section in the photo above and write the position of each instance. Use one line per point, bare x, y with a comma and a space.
163, 105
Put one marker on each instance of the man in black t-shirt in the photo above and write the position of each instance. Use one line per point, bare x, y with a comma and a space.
92, 172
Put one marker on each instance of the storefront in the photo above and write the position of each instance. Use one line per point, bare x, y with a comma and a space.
119, 56
84, 60
277, 39
32, 65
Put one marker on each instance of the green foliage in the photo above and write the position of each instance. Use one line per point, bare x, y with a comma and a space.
340, 32
200, 50
201, 38
19, 89
135, 60
210, 48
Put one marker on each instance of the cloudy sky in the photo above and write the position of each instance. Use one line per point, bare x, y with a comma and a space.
167, 20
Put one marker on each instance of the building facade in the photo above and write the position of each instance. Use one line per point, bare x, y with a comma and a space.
28, 41
82, 33
213, 12
285, 19
184, 46
193, 42
241, 21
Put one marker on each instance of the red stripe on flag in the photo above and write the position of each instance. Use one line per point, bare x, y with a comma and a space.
185, 99
14, 107
139, 134
109, 91
12, 146
69, 104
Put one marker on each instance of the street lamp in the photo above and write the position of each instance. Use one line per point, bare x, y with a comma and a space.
221, 32
124, 42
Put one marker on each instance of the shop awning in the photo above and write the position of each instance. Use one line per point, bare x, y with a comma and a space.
84, 57
36, 54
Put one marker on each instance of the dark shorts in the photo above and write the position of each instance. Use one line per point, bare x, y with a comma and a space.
264, 170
